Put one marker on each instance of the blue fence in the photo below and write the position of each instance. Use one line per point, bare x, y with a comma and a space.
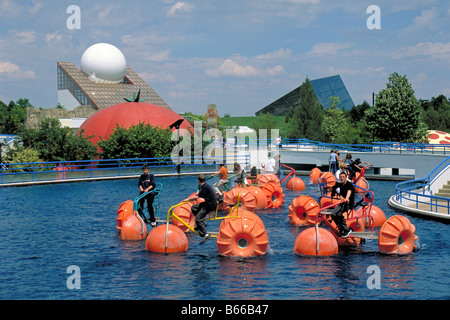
11, 173
418, 192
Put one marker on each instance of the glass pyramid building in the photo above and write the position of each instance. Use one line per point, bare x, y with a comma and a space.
324, 88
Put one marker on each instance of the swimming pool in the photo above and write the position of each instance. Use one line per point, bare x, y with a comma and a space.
47, 228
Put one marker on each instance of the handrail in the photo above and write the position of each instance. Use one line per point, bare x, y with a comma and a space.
407, 190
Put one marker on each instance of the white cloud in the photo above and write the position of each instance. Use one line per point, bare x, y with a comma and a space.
329, 48
435, 50
9, 70
53, 37
278, 54
180, 6
25, 37
231, 68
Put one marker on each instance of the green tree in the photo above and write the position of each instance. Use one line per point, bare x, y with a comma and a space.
305, 119
264, 121
139, 141
396, 114
55, 143
335, 126
436, 113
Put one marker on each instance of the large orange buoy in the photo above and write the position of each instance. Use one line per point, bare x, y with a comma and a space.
274, 195
303, 211
328, 178
237, 213
296, 184
124, 211
378, 216
261, 199
364, 184
133, 228
176, 239
397, 235
243, 237
246, 199
184, 212
314, 175
267, 178
306, 243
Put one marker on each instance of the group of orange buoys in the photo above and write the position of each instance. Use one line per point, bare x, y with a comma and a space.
242, 232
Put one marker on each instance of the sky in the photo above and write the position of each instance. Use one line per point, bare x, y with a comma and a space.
238, 54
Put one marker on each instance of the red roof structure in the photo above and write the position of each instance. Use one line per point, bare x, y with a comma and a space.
102, 123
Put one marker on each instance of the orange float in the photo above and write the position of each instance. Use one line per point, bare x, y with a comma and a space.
328, 179
397, 235
363, 184
246, 198
243, 237
176, 239
261, 199
184, 212
303, 211
274, 195
306, 243
314, 175
378, 216
326, 200
356, 225
124, 211
296, 184
133, 228
199, 200
267, 178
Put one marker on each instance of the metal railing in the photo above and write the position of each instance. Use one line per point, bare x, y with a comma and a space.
11, 173
417, 192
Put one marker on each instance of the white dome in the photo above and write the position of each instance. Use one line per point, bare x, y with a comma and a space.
103, 62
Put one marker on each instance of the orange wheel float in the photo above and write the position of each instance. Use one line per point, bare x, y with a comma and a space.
261, 199
378, 216
246, 198
267, 178
306, 243
397, 235
243, 237
124, 211
314, 175
329, 179
296, 184
133, 228
326, 200
303, 211
176, 239
237, 213
199, 200
184, 212
274, 195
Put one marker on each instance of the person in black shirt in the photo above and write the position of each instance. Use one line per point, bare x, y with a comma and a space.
146, 184
346, 192
200, 210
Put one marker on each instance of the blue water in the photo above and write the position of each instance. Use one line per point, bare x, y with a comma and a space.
45, 229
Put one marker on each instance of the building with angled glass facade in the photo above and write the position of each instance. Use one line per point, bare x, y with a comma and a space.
324, 88
75, 89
